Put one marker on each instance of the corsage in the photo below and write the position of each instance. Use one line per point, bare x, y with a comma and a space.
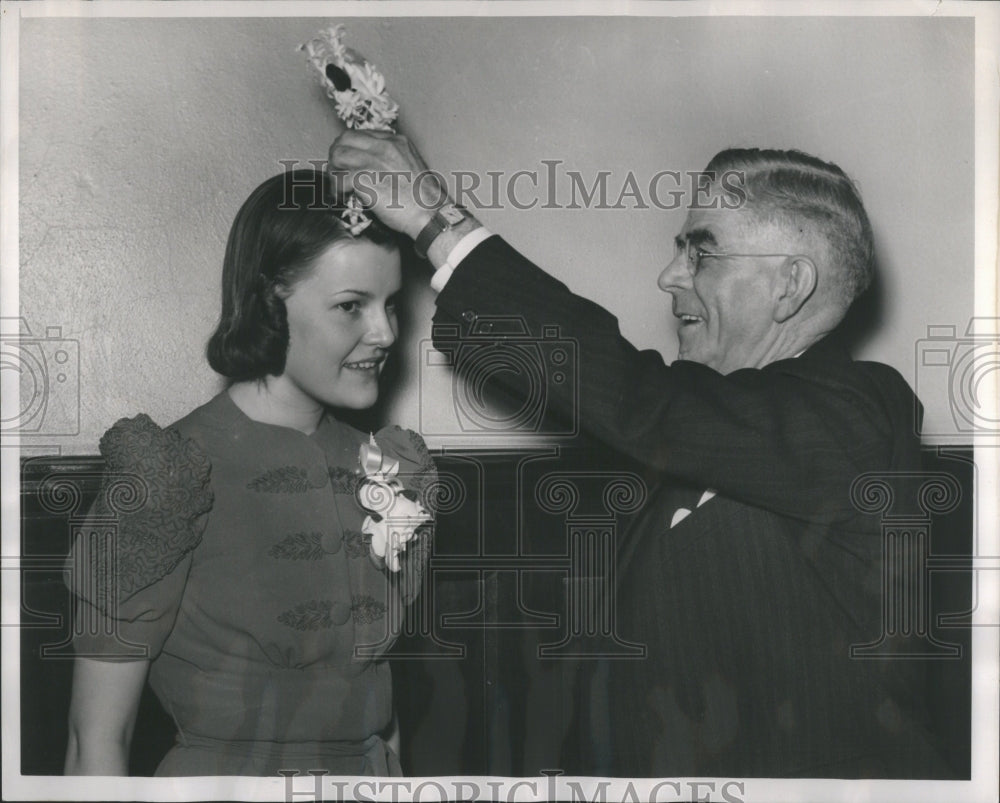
395, 513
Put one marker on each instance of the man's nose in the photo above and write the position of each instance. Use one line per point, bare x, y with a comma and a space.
676, 275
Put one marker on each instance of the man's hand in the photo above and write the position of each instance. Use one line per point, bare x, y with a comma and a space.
389, 177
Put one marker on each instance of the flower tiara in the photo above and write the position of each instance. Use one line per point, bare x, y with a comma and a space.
357, 90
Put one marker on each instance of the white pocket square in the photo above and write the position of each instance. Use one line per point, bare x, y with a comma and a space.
679, 515
682, 512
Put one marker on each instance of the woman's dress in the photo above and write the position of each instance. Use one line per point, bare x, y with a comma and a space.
246, 579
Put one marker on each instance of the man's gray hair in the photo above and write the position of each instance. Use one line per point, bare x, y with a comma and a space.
787, 186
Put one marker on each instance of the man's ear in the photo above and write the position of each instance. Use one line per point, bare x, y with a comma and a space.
797, 280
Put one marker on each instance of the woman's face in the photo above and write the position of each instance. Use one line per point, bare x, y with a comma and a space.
341, 324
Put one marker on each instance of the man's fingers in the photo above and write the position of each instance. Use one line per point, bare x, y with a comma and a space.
387, 174
347, 178
349, 158
377, 150
374, 143
358, 139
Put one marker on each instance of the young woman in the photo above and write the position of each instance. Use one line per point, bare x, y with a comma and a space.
248, 585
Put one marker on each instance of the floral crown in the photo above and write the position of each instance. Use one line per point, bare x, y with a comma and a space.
360, 100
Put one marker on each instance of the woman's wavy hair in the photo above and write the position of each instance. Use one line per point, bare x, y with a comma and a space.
791, 187
285, 224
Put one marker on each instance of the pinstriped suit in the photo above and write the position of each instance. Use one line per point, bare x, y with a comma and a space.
749, 602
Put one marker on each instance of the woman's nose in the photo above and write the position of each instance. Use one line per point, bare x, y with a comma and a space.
382, 330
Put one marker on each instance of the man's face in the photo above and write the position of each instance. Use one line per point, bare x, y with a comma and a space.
726, 308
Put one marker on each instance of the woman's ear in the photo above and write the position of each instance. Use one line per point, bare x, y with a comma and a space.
797, 280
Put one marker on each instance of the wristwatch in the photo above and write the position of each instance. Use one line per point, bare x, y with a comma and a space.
447, 217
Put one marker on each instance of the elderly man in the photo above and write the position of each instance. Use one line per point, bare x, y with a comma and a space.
749, 574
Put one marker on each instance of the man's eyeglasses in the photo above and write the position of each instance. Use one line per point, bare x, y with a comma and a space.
693, 255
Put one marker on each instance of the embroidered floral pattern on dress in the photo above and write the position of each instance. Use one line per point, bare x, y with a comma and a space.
284, 480
152, 541
366, 609
283, 658
356, 543
343, 480
311, 615
299, 546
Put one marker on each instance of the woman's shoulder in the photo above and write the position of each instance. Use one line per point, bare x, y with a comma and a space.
139, 441
175, 454
389, 446
416, 469
405, 445
165, 517
218, 412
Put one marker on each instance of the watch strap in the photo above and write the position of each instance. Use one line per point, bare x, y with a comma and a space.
444, 218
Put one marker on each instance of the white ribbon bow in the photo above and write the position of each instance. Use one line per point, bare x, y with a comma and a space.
394, 517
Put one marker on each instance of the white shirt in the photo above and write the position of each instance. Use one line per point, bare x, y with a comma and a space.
456, 255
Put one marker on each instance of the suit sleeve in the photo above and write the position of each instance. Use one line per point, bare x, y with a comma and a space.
788, 438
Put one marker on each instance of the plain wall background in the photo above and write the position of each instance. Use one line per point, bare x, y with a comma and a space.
140, 138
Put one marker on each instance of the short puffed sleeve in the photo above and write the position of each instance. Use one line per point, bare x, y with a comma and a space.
129, 562
419, 478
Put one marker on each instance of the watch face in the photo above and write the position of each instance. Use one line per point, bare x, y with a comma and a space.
452, 214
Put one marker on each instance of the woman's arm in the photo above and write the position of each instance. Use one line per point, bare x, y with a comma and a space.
391, 734
102, 715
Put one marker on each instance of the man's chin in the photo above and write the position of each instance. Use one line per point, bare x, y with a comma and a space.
689, 353
693, 355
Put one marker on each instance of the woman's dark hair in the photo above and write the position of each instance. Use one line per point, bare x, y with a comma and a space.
285, 224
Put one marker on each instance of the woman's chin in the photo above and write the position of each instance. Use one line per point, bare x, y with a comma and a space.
360, 399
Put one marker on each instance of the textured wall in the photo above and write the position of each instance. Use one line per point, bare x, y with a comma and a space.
139, 139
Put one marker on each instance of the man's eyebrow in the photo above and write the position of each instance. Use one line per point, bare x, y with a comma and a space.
700, 237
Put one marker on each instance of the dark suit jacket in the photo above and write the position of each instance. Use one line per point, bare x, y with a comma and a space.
748, 606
